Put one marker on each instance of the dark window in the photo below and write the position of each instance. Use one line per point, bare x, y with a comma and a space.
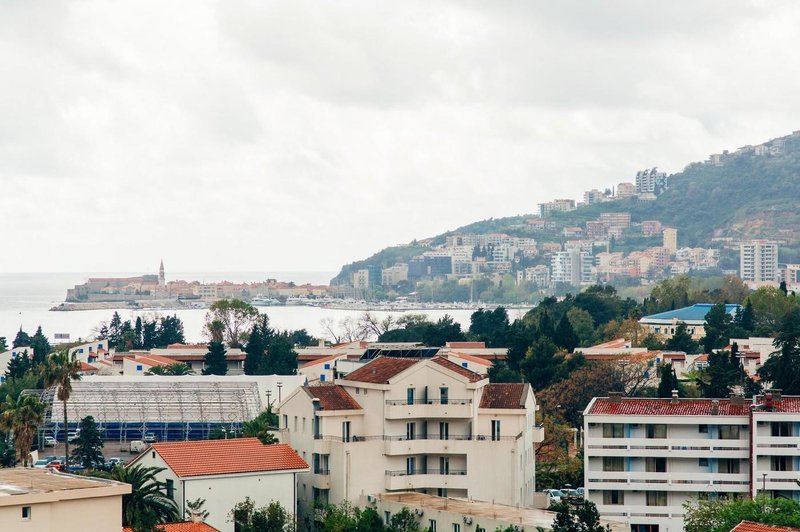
656, 465
702, 462
781, 429
613, 430
26, 513
729, 465
729, 432
613, 463
170, 484
410, 396
703, 429
444, 394
495, 430
613, 497
657, 431
780, 463
656, 498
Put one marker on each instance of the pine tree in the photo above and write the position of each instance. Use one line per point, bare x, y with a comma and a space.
281, 357
681, 340
18, 366
256, 348
747, 319
215, 362
668, 382
565, 335
22, 339
88, 447
3, 344
40, 345
137, 329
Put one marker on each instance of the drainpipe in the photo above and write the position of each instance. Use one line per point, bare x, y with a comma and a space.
752, 450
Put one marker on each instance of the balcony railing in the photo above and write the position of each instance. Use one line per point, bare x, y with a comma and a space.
419, 437
406, 473
322, 471
448, 401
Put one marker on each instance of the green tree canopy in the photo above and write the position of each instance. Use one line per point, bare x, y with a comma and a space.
721, 515
88, 450
237, 318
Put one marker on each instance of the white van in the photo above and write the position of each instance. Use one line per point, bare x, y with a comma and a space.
138, 446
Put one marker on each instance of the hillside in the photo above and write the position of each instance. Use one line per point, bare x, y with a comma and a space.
744, 196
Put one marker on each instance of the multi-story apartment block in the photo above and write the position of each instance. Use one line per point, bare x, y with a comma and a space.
615, 219
558, 205
394, 274
626, 190
652, 228
538, 275
360, 279
413, 424
645, 458
573, 266
651, 181
590, 197
758, 261
670, 239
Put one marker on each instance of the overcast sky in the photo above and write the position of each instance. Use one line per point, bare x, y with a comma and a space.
289, 136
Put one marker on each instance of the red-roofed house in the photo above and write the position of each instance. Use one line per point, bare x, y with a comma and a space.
181, 527
413, 424
749, 526
224, 472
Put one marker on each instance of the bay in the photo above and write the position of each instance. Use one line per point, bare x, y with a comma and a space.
26, 297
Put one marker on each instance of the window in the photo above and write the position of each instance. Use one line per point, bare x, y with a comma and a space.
656, 498
780, 463
728, 465
410, 396
656, 431
444, 394
644, 528
456, 527
655, 465
345, 431
441, 492
703, 429
613, 497
387, 518
495, 430
327, 366
729, 432
410, 431
464, 365
613, 430
286, 422
613, 463
322, 378
358, 391
781, 429
138, 367
432, 525
702, 462
411, 463
304, 424
295, 423
444, 430
444, 465
170, 485
26, 513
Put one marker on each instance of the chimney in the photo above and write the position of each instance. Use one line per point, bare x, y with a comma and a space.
776, 394
614, 397
322, 343
736, 399
768, 403
715, 407
674, 399
196, 516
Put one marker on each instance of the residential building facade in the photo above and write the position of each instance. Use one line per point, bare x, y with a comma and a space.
426, 425
758, 261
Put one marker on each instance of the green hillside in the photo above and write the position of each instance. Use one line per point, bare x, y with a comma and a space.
747, 196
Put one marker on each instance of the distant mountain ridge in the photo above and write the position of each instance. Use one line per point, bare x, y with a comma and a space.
750, 193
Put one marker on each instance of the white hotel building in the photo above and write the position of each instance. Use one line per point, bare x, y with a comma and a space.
645, 458
427, 425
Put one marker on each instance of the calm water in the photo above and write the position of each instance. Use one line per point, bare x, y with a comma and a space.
26, 298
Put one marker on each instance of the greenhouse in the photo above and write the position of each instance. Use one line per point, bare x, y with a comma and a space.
178, 408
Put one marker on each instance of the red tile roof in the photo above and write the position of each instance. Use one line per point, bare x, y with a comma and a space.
619, 343
471, 358
333, 397
749, 526
507, 395
784, 404
326, 358
381, 369
466, 345
461, 370
220, 457
180, 527
665, 407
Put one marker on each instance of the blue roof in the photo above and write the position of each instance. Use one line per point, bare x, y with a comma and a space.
695, 313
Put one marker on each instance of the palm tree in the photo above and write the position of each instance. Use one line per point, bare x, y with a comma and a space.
146, 505
178, 368
23, 418
60, 370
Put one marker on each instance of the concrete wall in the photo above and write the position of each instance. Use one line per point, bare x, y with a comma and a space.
98, 514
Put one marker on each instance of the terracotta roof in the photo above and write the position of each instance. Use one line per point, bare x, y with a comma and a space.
323, 359
749, 526
461, 370
381, 369
87, 367
187, 346
784, 404
666, 407
466, 345
220, 457
507, 395
333, 397
471, 358
154, 359
180, 527
619, 343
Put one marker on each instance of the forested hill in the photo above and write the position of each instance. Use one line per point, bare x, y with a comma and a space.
746, 195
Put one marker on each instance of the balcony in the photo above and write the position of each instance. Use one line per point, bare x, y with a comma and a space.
321, 479
435, 444
655, 512
668, 448
672, 481
776, 446
429, 408
431, 478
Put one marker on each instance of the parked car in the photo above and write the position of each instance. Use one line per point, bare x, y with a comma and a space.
49, 458
138, 446
150, 437
111, 462
73, 435
41, 463
50, 441
58, 465
581, 492
555, 495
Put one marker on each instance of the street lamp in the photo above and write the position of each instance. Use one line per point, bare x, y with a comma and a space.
280, 385
269, 403
764, 483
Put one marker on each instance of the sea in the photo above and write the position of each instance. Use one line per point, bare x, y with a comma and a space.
25, 300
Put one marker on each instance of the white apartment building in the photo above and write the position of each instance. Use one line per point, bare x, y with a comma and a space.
645, 458
394, 274
758, 261
573, 267
426, 425
360, 279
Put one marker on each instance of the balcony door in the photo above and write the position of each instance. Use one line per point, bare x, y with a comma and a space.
444, 395
410, 430
444, 465
345, 431
444, 430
